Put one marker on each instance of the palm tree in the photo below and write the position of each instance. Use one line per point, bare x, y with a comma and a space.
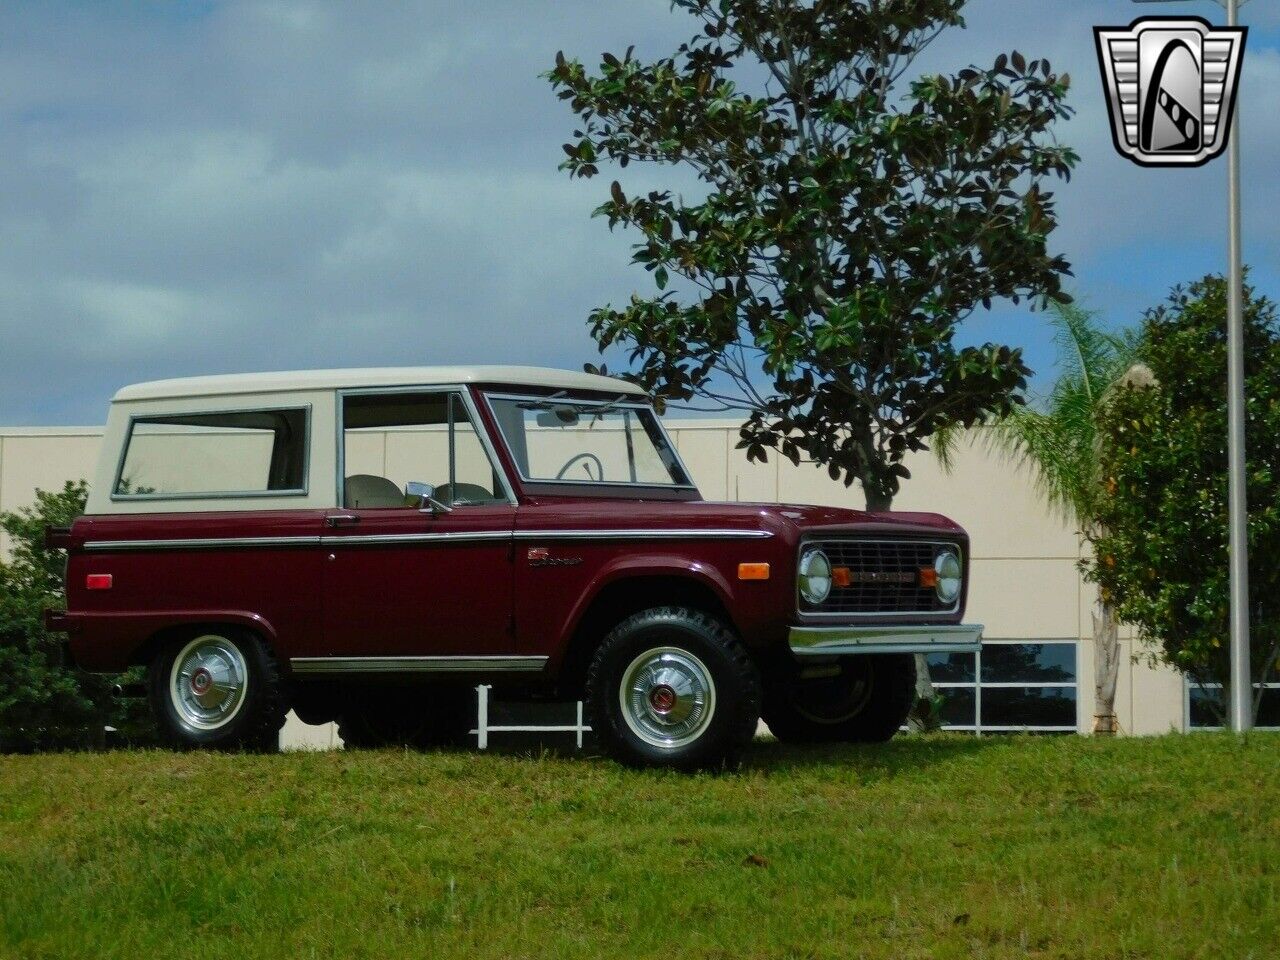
1058, 439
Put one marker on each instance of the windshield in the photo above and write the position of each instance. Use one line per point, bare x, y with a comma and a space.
554, 440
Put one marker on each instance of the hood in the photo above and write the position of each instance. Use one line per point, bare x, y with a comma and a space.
783, 518
807, 517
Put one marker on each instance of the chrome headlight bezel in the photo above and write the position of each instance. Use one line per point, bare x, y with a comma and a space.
814, 576
950, 575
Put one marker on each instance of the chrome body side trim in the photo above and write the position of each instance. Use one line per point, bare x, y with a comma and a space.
482, 664
394, 539
203, 543
642, 534
889, 638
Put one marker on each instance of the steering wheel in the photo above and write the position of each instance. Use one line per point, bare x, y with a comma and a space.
591, 457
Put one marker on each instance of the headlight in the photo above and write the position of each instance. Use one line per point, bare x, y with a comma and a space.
815, 576
947, 566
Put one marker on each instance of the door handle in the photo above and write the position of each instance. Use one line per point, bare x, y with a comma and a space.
342, 520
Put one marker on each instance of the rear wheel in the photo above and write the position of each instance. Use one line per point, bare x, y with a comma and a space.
217, 688
418, 717
673, 687
864, 699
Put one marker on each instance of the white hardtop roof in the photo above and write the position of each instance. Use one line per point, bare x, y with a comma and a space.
303, 380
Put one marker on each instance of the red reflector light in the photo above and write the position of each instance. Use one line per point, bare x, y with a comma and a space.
97, 581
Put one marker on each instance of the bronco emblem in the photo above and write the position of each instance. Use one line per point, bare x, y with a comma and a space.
1171, 88
876, 576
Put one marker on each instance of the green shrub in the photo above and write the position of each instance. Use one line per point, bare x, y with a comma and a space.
45, 703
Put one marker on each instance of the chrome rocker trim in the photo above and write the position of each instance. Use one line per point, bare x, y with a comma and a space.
497, 664
891, 638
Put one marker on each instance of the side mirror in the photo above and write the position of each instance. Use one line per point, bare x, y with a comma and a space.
424, 494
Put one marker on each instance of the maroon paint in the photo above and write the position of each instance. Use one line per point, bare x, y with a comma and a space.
441, 597
418, 599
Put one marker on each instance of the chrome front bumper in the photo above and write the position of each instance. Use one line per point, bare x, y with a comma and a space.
890, 638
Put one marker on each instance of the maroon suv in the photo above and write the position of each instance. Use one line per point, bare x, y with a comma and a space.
367, 545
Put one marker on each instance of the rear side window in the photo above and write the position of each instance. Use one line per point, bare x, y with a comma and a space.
245, 452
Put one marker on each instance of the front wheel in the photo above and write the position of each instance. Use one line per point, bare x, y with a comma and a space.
863, 699
673, 687
217, 688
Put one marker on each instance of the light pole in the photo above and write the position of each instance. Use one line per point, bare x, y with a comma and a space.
1240, 708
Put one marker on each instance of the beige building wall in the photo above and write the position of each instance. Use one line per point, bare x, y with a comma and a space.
1026, 583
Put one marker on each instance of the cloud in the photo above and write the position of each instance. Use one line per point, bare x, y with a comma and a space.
236, 186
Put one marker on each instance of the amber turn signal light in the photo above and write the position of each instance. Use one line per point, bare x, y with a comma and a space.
753, 571
841, 577
928, 577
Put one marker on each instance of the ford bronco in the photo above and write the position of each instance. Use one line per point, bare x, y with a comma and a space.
364, 546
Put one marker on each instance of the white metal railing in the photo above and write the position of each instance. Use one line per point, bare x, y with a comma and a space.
484, 727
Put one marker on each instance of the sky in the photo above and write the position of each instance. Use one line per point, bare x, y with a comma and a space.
212, 187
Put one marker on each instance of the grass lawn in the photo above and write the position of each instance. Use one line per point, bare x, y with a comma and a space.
927, 847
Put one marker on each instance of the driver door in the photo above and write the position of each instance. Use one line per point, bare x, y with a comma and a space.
404, 578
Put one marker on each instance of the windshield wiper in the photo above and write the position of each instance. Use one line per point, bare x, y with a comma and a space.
589, 407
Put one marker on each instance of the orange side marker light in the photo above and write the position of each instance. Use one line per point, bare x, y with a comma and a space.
753, 571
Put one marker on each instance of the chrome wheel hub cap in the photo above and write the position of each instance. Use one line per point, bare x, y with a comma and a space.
208, 682
667, 697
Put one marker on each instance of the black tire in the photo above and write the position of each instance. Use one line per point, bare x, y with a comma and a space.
418, 717
249, 720
867, 701
696, 652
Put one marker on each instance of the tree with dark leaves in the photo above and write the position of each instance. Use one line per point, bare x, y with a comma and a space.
853, 213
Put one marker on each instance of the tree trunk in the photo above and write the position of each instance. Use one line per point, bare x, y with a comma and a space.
1106, 668
877, 501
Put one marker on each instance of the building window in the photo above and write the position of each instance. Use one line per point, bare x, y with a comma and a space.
1205, 707
1009, 686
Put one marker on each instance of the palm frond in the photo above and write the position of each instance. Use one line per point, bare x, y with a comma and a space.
1057, 439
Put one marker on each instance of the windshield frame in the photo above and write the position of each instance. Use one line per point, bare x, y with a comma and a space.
620, 403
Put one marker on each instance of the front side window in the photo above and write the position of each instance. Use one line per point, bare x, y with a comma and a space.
569, 441
396, 444
245, 452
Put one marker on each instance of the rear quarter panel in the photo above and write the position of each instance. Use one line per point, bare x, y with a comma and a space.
272, 589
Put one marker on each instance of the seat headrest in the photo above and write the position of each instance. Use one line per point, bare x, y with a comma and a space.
370, 492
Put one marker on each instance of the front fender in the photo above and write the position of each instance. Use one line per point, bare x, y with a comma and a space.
653, 565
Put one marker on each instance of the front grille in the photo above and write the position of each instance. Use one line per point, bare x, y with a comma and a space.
885, 575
